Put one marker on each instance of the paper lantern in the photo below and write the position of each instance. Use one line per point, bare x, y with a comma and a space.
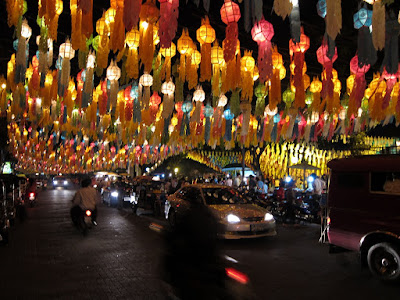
205, 36
168, 88
277, 61
168, 53
270, 112
26, 31
262, 33
314, 117
101, 26
217, 55
350, 83
132, 38
196, 57
321, 8
146, 80
301, 46
109, 16
66, 50
292, 67
288, 96
222, 101
230, 12
362, 18
342, 113
199, 95
113, 72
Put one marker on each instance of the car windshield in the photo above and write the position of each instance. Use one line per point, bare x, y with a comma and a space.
220, 196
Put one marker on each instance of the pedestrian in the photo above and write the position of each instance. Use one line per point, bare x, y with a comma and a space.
229, 181
85, 198
290, 202
260, 185
252, 183
265, 187
237, 181
317, 186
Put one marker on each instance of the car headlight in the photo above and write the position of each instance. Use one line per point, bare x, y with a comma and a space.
114, 194
268, 217
65, 182
55, 182
233, 219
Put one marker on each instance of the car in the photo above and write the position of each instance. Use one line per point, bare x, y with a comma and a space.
61, 182
239, 217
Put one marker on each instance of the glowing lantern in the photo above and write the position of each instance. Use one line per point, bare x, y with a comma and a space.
205, 36
247, 64
217, 60
288, 97
113, 72
168, 88
260, 92
132, 62
26, 31
230, 15
146, 81
350, 83
168, 53
362, 18
199, 95
66, 51
110, 16
184, 47
270, 112
262, 33
222, 101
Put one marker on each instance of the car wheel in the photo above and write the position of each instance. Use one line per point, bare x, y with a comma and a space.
384, 261
172, 218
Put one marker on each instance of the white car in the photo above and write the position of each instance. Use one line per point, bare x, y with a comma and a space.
61, 182
239, 217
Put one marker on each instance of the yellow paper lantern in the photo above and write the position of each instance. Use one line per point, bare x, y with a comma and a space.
196, 57
168, 88
110, 16
101, 26
247, 62
205, 34
350, 83
26, 31
132, 38
292, 67
316, 85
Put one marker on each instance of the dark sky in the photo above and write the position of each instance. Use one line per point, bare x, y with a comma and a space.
190, 17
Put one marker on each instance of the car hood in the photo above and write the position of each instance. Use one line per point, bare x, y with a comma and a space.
241, 210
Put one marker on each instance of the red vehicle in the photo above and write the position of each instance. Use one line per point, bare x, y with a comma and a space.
364, 211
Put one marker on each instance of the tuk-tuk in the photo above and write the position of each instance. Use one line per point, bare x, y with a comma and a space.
364, 211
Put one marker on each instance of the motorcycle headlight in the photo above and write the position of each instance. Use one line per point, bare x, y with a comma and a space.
268, 217
233, 219
114, 194
65, 182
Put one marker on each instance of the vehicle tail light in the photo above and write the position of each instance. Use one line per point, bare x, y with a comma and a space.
32, 195
328, 221
237, 275
88, 213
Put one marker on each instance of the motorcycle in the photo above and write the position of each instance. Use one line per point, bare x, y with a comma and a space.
82, 218
220, 280
32, 199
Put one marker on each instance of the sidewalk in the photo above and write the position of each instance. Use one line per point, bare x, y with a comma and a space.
47, 258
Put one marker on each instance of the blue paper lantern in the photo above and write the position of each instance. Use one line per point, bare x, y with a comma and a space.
187, 107
321, 8
362, 18
228, 115
134, 91
59, 63
15, 45
277, 118
83, 75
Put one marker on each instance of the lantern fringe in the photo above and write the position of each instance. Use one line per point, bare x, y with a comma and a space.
205, 64
132, 64
283, 8
146, 49
378, 25
333, 18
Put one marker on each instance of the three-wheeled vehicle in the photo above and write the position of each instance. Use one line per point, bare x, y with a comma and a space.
364, 211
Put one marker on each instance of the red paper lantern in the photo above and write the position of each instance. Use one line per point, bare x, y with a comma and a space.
230, 12
355, 68
262, 31
301, 46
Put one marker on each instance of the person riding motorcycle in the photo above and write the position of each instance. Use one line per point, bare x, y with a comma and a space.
86, 197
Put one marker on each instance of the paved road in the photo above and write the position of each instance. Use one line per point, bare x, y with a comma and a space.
119, 259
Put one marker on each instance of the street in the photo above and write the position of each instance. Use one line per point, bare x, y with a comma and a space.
47, 258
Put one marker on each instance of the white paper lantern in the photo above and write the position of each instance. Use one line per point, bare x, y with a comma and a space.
269, 112
26, 31
91, 60
222, 101
168, 88
113, 72
66, 50
146, 79
199, 95
314, 117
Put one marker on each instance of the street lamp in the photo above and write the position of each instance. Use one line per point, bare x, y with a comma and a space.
176, 170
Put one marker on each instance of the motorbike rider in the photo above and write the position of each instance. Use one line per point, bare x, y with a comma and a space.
192, 264
86, 197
